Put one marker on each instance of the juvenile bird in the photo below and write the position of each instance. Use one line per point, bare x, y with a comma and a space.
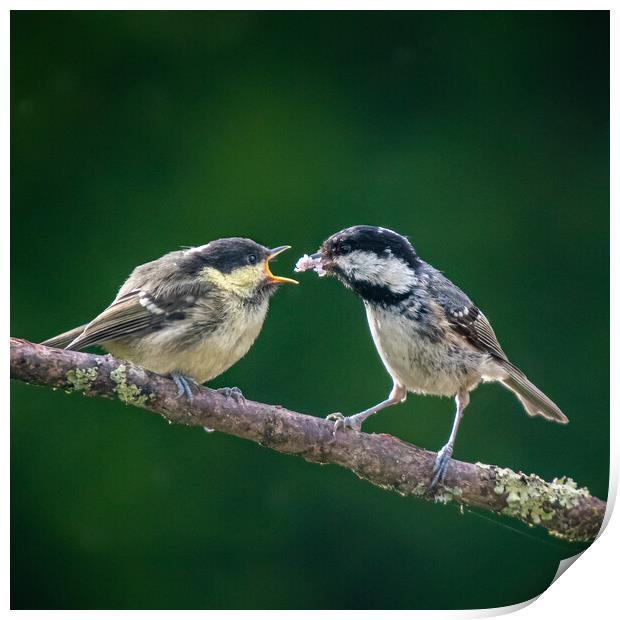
430, 336
190, 314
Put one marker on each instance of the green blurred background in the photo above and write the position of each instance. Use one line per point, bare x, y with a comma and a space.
483, 136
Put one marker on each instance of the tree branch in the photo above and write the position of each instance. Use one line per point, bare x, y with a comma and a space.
559, 506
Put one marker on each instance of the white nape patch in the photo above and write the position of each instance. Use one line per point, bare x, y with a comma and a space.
149, 304
381, 230
196, 250
387, 271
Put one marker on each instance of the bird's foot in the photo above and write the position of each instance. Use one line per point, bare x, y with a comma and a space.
440, 466
183, 385
233, 392
352, 422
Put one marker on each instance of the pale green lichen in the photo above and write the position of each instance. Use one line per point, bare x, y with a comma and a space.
128, 393
565, 509
532, 499
419, 490
448, 494
80, 379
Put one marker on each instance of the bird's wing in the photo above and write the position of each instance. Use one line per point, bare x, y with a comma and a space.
468, 321
133, 312
465, 318
62, 340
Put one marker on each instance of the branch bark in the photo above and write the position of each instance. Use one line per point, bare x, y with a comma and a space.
565, 510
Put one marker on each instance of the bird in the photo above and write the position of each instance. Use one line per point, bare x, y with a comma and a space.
191, 314
431, 338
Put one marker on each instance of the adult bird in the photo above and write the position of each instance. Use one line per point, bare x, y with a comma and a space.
430, 336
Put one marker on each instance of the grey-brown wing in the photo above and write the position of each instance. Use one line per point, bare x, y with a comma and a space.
130, 314
469, 321
62, 340
463, 316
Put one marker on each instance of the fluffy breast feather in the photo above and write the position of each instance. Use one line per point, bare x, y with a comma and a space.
423, 355
203, 346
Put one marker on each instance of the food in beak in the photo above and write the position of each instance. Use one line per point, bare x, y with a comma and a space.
306, 263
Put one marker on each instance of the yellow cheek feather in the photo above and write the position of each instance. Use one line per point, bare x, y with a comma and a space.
241, 281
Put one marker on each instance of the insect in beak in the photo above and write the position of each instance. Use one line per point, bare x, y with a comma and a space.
277, 279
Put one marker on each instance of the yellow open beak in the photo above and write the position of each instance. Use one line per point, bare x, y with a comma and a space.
270, 277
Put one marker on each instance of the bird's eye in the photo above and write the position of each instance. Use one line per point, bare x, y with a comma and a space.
252, 259
345, 248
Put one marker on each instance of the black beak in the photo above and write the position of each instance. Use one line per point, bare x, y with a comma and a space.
281, 248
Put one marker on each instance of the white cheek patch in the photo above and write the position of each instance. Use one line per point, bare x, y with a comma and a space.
242, 281
387, 271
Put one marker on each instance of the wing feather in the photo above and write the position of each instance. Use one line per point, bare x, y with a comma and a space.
464, 316
475, 327
132, 313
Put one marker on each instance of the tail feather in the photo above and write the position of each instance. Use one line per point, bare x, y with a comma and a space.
533, 400
63, 340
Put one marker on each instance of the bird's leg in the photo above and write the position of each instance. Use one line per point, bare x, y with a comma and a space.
182, 382
354, 422
233, 392
445, 454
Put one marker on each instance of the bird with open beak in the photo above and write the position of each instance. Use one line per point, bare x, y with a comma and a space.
190, 314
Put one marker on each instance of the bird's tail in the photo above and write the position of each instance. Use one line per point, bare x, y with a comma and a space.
532, 399
62, 340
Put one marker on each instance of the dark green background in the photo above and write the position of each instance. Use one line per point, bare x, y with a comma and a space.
483, 136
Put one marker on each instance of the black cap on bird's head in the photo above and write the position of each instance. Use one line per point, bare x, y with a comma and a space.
376, 240
238, 264
377, 263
